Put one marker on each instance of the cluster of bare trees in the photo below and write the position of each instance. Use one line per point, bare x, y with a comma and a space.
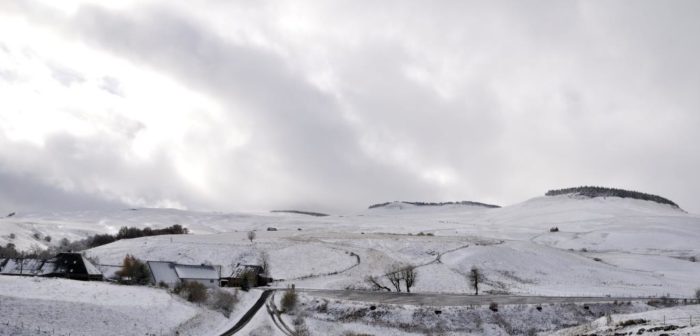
396, 274
406, 274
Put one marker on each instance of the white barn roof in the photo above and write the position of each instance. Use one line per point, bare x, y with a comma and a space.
163, 271
171, 273
197, 272
90, 267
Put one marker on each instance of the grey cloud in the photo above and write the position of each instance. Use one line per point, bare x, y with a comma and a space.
23, 192
302, 128
8, 76
65, 75
95, 170
112, 85
535, 97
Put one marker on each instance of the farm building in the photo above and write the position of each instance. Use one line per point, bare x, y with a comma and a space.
246, 276
64, 265
171, 273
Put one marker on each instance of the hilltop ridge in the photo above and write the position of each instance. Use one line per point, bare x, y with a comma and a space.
595, 191
381, 205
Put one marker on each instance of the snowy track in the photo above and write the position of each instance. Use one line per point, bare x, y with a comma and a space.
456, 299
249, 314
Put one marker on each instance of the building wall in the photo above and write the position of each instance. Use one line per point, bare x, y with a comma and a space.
206, 282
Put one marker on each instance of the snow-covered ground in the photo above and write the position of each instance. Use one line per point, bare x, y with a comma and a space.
30, 306
604, 246
679, 320
339, 318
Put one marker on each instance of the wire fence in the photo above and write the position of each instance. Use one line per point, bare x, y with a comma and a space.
690, 320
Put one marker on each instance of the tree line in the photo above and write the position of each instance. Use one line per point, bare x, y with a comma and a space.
134, 232
591, 191
65, 245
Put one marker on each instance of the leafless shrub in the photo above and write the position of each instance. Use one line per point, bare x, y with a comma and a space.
408, 273
300, 328
224, 301
394, 276
264, 260
375, 283
191, 291
133, 271
289, 300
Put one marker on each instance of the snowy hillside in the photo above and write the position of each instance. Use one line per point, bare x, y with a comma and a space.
35, 306
603, 246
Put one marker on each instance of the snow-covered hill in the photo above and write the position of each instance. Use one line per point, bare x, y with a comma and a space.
604, 245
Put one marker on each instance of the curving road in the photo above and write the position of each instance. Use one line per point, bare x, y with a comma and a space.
249, 314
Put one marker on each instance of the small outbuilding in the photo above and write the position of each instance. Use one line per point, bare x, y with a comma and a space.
246, 276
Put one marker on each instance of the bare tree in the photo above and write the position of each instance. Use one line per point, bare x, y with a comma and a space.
408, 273
475, 278
394, 275
251, 235
697, 294
265, 262
376, 285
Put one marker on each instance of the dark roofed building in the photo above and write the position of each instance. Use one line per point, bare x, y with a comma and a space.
64, 265
246, 276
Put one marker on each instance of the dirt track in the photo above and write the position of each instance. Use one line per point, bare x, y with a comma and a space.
435, 299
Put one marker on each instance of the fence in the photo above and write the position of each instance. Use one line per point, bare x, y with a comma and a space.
690, 320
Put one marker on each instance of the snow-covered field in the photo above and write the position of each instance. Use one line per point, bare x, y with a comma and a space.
338, 318
32, 306
680, 320
605, 246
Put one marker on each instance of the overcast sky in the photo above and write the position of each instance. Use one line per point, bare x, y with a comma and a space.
335, 105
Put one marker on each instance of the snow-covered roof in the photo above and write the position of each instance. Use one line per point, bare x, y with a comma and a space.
13, 266
170, 272
197, 272
240, 269
163, 271
90, 267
